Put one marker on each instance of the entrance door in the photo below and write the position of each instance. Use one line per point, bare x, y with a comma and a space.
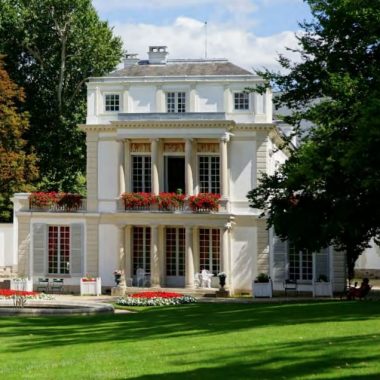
175, 174
175, 256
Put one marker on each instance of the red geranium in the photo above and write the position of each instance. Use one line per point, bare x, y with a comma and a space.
137, 200
204, 202
11, 293
156, 295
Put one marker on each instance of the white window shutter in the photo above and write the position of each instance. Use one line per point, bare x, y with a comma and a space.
39, 249
77, 249
280, 264
322, 264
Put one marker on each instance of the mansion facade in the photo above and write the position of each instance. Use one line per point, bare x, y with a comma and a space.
170, 126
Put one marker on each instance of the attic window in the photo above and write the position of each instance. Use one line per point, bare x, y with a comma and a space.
176, 102
241, 101
112, 102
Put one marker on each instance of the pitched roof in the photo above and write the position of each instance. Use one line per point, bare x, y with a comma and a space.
220, 67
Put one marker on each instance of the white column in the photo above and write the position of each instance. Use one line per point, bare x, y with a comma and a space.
189, 184
155, 269
154, 157
121, 259
127, 166
192, 102
224, 251
196, 249
128, 254
160, 100
121, 167
224, 166
125, 108
189, 258
227, 99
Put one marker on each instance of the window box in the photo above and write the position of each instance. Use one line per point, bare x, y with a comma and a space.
138, 201
56, 202
262, 289
204, 202
90, 286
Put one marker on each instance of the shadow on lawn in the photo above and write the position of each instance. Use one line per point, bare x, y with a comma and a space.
187, 320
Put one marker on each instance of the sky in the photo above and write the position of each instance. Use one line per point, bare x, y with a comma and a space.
250, 33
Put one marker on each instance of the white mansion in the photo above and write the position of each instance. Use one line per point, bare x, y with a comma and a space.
156, 126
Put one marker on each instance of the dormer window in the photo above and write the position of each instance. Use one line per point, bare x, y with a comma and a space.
241, 101
176, 102
112, 102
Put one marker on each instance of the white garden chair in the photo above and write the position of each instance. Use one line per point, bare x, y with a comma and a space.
206, 278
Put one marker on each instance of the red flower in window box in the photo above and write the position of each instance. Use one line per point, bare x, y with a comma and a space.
136, 201
156, 295
43, 199
204, 202
170, 201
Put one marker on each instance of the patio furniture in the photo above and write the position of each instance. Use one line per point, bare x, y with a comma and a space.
206, 278
290, 285
57, 285
141, 277
197, 280
43, 285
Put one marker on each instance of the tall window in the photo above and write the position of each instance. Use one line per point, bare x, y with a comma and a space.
112, 102
176, 102
175, 251
141, 248
300, 265
241, 101
59, 250
141, 174
209, 174
209, 249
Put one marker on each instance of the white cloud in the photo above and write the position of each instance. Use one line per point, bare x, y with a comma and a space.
185, 38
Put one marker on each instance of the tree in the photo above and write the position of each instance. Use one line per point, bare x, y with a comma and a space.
51, 48
327, 192
18, 167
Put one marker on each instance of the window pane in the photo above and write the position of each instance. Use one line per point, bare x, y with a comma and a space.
112, 102
59, 249
209, 249
141, 248
209, 174
241, 101
141, 174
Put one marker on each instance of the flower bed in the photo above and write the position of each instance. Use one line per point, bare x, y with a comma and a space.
155, 299
7, 294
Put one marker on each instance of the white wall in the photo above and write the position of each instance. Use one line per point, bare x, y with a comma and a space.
243, 257
142, 99
370, 258
242, 168
108, 253
6, 245
210, 98
108, 170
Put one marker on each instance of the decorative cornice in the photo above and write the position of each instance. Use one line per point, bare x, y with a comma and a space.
254, 127
97, 127
227, 124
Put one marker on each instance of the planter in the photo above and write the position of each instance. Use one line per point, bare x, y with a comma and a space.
22, 284
91, 287
262, 289
322, 289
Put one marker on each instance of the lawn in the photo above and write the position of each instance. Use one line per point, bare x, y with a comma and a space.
326, 340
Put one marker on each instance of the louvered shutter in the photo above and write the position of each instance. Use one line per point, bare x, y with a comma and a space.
77, 249
280, 264
322, 264
39, 249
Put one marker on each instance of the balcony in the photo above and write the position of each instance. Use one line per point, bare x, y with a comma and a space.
172, 203
56, 202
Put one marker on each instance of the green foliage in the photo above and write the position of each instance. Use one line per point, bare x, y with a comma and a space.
327, 191
51, 48
18, 168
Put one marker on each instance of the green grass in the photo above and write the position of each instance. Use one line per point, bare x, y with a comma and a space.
326, 340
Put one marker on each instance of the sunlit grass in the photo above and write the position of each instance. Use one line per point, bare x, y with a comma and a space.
326, 340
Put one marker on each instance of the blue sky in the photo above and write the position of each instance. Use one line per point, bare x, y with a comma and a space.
248, 32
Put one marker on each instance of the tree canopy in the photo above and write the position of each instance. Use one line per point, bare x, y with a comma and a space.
51, 47
327, 193
18, 169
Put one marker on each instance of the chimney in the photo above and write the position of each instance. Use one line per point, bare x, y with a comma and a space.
130, 60
157, 54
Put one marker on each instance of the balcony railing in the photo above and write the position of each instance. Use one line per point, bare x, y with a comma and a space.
56, 202
142, 202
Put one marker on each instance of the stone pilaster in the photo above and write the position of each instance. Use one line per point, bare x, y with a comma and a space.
189, 258
154, 158
155, 268
189, 190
